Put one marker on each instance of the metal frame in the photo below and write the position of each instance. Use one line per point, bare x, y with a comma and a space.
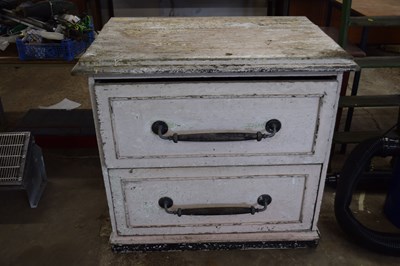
347, 20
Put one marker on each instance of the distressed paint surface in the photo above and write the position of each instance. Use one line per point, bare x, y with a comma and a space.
136, 193
127, 111
207, 45
292, 236
214, 246
125, 184
291, 48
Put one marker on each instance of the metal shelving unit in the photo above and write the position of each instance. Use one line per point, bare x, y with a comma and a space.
349, 19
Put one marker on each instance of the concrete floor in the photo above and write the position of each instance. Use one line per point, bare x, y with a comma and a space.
71, 224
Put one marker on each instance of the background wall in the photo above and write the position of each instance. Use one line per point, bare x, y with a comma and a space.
315, 10
189, 8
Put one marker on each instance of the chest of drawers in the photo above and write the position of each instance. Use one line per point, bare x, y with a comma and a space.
214, 132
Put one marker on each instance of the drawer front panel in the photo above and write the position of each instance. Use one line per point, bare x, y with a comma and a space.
128, 112
136, 197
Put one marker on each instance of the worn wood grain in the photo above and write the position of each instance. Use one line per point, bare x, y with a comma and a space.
376, 8
148, 46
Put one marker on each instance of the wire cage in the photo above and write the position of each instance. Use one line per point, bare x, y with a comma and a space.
22, 165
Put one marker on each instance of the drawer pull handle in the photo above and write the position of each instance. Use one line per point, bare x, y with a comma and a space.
263, 200
160, 128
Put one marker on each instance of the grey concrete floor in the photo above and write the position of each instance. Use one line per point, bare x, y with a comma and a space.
71, 224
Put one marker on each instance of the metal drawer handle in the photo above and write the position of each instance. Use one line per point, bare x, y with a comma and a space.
263, 200
160, 128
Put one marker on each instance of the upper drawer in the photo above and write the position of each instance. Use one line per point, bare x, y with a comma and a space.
126, 112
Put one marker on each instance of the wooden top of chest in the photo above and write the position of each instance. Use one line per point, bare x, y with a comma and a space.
211, 46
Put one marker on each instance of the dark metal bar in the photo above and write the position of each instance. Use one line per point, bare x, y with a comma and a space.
212, 211
375, 21
286, 7
271, 7
272, 126
350, 111
378, 61
217, 137
364, 39
263, 200
369, 101
329, 14
345, 22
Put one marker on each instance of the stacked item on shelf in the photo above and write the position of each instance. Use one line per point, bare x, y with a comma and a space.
49, 29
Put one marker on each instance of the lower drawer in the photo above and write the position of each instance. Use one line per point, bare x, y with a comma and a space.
215, 197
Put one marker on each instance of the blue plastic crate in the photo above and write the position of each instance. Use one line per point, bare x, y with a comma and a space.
66, 49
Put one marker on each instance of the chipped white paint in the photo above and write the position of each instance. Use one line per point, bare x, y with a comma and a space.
212, 45
139, 190
297, 73
127, 111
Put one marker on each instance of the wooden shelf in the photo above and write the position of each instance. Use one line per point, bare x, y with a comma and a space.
375, 7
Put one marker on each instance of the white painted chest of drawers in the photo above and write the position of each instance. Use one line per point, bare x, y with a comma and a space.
214, 132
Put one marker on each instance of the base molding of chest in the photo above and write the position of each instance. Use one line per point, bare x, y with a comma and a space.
269, 240
214, 246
